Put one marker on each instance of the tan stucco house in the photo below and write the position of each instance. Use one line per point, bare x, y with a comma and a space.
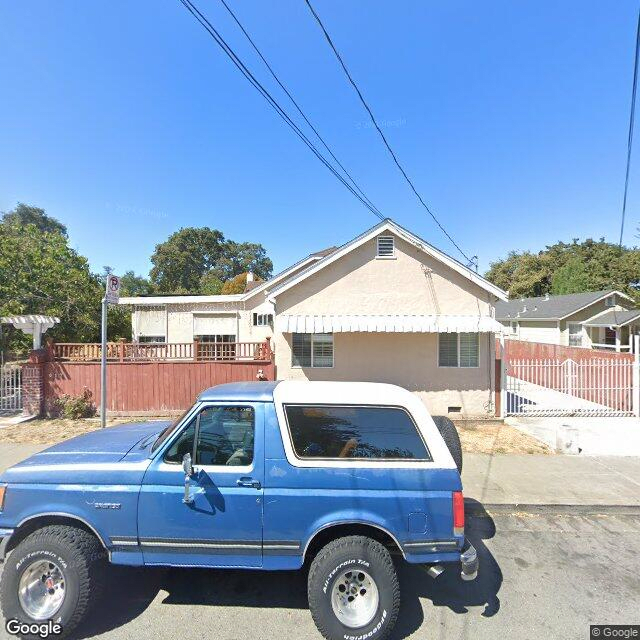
386, 306
592, 319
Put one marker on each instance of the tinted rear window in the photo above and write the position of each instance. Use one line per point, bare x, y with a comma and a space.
340, 432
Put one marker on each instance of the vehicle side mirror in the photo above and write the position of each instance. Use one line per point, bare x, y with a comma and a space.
187, 467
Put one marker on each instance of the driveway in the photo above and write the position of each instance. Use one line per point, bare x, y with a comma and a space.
606, 436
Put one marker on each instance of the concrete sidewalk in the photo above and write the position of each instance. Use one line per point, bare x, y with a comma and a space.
510, 479
563, 480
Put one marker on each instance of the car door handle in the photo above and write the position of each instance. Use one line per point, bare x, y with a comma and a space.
249, 482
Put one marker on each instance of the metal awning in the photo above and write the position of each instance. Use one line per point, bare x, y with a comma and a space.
387, 324
34, 324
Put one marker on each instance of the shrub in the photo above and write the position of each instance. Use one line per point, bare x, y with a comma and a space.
74, 407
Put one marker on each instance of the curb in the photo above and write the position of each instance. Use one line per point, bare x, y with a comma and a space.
475, 509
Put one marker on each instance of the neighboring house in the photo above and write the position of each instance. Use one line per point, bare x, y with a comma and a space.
386, 306
594, 319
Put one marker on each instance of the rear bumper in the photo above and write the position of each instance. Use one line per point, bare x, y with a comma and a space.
469, 562
5, 536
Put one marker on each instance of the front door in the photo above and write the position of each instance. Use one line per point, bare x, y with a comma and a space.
221, 525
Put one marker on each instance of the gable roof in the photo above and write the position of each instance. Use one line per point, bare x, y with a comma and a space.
614, 318
551, 307
393, 227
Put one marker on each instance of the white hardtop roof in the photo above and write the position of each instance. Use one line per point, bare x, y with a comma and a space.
319, 392
393, 227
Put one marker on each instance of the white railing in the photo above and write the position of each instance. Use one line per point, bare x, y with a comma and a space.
10, 388
598, 386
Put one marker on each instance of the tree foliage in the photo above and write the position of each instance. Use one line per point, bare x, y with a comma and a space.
571, 277
24, 214
590, 265
40, 273
194, 260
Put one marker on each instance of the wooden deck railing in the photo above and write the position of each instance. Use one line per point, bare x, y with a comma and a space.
159, 351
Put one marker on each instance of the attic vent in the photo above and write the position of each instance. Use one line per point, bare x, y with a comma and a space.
386, 247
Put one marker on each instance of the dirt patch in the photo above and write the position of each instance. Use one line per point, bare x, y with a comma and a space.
496, 437
54, 431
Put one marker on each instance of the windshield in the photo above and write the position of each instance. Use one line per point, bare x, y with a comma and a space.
165, 433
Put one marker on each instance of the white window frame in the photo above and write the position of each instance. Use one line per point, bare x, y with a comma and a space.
392, 255
457, 366
580, 334
610, 301
312, 365
513, 328
262, 319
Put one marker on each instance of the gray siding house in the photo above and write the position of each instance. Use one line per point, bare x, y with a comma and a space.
594, 319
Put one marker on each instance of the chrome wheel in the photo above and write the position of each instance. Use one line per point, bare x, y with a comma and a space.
354, 598
41, 589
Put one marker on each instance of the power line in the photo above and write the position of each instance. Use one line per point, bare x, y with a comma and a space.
631, 122
384, 139
270, 99
296, 105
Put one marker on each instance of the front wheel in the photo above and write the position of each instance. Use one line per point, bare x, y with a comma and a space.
353, 590
53, 574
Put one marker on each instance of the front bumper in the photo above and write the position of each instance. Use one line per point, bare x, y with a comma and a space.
469, 562
5, 536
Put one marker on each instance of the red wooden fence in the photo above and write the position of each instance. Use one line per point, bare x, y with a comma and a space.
148, 387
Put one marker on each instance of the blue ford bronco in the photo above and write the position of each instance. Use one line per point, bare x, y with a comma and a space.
336, 476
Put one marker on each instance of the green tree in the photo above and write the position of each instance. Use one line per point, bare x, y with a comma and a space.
133, 285
199, 260
40, 273
25, 214
571, 277
210, 284
180, 262
593, 265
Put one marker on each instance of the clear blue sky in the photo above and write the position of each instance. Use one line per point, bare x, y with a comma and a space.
125, 121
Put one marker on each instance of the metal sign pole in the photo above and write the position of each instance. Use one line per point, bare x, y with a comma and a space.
103, 367
111, 295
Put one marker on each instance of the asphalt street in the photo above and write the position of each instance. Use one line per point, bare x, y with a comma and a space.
545, 573
542, 576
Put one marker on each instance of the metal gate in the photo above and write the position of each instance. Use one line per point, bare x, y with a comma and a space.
10, 388
595, 387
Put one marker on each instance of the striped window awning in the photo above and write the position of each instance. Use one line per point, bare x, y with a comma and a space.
387, 324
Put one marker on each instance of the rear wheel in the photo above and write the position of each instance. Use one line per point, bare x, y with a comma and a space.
353, 590
451, 438
53, 574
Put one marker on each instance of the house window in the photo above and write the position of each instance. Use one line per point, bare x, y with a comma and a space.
147, 339
386, 247
609, 335
514, 328
262, 319
350, 432
575, 334
458, 350
610, 301
312, 350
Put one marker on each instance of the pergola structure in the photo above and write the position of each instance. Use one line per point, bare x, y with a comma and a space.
34, 324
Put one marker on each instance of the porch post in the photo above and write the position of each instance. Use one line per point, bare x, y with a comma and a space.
503, 379
635, 391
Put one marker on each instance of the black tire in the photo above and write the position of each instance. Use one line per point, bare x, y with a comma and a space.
82, 560
451, 438
355, 553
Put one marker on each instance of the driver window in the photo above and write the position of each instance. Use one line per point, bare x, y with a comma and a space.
225, 436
